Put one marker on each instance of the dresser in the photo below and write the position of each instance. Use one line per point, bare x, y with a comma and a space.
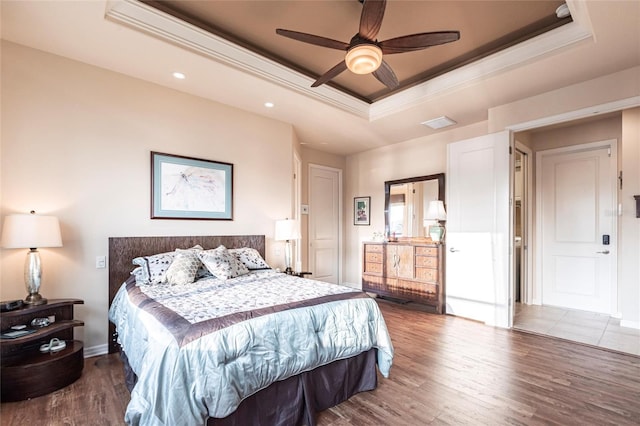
406, 270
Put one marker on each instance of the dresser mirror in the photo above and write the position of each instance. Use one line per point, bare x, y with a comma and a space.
406, 202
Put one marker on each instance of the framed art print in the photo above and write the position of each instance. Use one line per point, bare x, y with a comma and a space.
361, 210
190, 188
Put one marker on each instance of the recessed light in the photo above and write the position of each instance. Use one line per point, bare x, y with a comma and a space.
269, 104
439, 123
179, 75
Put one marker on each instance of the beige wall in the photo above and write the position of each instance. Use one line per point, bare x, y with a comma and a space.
76, 143
367, 172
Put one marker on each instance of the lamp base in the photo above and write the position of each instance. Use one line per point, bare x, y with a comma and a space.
35, 299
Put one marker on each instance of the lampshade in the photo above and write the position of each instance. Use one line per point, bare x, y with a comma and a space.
287, 229
436, 211
364, 58
30, 231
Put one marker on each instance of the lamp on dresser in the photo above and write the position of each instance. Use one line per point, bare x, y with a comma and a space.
287, 230
436, 212
31, 231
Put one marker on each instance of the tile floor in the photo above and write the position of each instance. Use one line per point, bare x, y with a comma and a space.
580, 326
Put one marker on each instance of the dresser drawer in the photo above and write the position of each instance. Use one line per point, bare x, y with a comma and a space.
373, 248
373, 257
373, 268
426, 262
426, 251
427, 274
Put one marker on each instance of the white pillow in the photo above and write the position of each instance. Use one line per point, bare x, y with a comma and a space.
154, 267
184, 267
221, 263
250, 257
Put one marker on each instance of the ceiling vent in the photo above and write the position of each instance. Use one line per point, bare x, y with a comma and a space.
439, 123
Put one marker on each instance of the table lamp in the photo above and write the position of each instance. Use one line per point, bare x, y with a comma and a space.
436, 212
287, 230
31, 231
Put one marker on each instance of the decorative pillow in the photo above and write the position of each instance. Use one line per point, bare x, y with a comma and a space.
221, 263
184, 267
142, 278
250, 257
155, 266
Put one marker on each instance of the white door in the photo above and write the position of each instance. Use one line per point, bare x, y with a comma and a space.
577, 213
478, 234
325, 217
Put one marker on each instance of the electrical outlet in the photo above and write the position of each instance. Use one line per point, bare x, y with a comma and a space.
101, 262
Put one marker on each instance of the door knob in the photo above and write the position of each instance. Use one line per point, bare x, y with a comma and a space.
453, 250
603, 252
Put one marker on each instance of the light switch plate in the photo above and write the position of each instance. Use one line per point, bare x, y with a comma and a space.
305, 209
101, 262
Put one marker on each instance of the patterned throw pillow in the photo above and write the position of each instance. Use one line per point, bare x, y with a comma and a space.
221, 263
250, 257
184, 267
154, 267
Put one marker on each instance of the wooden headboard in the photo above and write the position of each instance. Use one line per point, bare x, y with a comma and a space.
123, 249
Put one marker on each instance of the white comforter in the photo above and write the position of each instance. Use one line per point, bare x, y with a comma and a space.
185, 381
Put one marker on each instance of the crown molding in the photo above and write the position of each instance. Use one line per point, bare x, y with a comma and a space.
142, 17
539, 46
147, 19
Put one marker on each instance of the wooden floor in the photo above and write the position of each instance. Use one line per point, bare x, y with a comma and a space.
446, 370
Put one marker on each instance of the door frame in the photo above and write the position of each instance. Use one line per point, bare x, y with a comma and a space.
340, 215
297, 197
613, 146
527, 295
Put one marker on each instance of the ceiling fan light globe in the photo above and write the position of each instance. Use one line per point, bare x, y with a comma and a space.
363, 59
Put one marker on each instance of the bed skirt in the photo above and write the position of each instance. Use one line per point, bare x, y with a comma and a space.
298, 399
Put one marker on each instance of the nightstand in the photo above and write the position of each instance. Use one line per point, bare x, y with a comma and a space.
25, 371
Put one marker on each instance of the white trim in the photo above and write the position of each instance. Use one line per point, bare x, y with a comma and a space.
147, 19
96, 350
166, 27
577, 114
630, 324
297, 196
538, 46
613, 146
528, 293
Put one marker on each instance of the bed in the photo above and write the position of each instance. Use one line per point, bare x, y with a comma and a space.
261, 348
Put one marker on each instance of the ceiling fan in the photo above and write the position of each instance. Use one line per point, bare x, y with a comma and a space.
364, 52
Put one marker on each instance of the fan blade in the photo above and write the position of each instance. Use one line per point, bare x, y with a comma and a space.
386, 75
313, 39
420, 41
333, 72
371, 18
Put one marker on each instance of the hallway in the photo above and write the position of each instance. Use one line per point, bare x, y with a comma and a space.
579, 326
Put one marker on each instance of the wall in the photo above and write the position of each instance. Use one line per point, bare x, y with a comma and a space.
628, 223
76, 143
367, 172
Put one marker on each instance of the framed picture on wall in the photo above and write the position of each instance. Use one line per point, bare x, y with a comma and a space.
361, 211
190, 188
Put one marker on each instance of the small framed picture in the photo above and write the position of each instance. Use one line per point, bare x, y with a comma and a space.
362, 211
190, 188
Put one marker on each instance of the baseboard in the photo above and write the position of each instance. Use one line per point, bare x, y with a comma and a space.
96, 350
630, 324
